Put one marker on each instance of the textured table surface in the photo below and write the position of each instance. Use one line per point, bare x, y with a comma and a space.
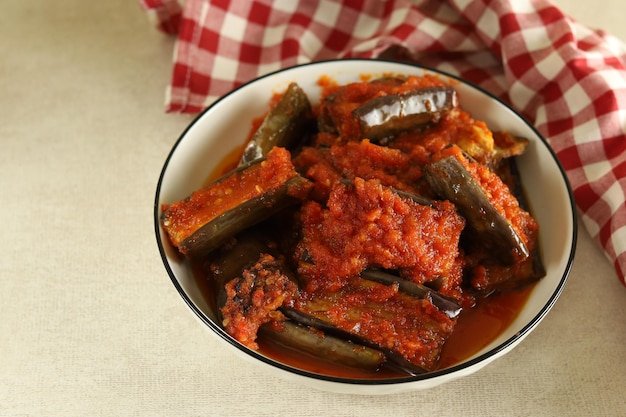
91, 324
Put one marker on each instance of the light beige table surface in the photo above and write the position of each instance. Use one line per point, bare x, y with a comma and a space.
90, 324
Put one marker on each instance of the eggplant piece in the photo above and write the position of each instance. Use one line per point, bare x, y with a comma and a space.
507, 145
489, 277
409, 330
249, 252
285, 125
217, 231
450, 180
446, 304
336, 107
317, 343
253, 297
338, 335
240, 254
253, 255
386, 116
493, 277
207, 218
508, 171
214, 233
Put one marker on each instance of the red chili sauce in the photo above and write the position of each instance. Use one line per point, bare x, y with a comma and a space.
349, 226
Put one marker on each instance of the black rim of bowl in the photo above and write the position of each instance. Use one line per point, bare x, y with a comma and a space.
355, 381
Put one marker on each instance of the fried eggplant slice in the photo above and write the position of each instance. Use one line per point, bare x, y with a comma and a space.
388, 115
485, 276
446, 304
382, 317
315, 342
252, 299
239, 254
252, 283
507, 145
450, 179
285, 125
208, 217
392, 359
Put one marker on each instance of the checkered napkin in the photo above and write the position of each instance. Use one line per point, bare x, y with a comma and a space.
566, 79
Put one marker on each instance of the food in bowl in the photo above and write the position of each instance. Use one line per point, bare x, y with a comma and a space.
479, 337
358, 229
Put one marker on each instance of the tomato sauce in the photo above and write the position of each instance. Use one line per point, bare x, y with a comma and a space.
475, 328
367, 224
353, 221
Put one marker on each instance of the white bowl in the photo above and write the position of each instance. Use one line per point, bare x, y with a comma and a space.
225, 125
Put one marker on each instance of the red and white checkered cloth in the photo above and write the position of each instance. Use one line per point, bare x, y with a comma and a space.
568, 80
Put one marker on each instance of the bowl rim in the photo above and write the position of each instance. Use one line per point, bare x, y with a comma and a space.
465, 365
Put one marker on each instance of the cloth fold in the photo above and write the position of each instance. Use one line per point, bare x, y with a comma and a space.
565, 78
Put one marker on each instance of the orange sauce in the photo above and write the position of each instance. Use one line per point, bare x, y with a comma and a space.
480, 325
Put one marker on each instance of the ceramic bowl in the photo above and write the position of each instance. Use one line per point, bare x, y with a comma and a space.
226, 123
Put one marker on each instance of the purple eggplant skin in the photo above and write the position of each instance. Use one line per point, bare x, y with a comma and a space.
286, 125
243, 252
386, 116
240, 253
446, 304
315, 342
451, 181
216, 232
394, 360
